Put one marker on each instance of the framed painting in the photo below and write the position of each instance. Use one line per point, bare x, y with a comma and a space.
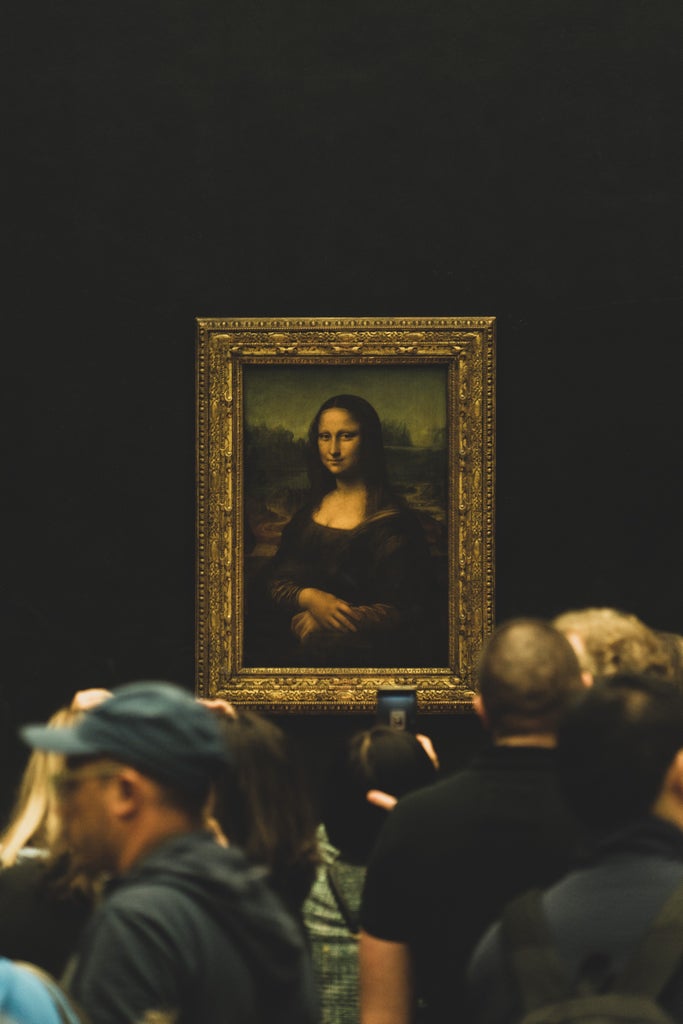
345, 509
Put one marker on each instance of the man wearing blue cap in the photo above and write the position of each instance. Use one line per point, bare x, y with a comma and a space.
187, 932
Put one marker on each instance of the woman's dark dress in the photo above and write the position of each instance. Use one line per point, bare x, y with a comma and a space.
383, 566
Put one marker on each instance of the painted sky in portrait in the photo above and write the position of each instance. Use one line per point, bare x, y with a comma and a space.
289, 396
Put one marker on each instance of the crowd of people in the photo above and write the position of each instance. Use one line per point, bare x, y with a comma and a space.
167, 863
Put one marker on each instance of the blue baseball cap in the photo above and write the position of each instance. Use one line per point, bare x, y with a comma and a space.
157, 727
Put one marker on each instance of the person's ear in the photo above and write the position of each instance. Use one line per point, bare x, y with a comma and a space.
480, 710
673, 780
669, 802
128, 793
587, 678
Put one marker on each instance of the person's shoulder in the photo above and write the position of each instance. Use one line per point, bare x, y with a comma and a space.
190, 862
399, 513
393, 521
447, 813
143, 924
401, 521
426, 806
194, 882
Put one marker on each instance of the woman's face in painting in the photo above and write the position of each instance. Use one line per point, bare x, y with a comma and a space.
339, 442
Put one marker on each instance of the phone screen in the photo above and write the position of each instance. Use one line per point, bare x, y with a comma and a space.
397, 707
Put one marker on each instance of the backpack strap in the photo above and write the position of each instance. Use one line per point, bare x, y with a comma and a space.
537, 969
351, 919
659, 952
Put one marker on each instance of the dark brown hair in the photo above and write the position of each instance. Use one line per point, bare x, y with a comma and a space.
616, 745
264, 805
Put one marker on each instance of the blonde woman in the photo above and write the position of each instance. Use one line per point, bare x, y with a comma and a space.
33, 829
44, 899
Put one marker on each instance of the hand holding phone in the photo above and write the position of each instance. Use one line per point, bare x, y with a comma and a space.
397, 707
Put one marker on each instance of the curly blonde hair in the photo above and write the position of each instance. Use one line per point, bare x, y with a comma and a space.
611, 641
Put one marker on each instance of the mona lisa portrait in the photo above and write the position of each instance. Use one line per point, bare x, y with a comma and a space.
353, 582
345, 510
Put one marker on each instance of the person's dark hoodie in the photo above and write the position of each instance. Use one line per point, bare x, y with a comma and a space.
193, 930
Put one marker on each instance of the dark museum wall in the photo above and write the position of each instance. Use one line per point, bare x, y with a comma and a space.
282, 157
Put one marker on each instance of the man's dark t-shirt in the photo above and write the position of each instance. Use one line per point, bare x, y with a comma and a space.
451, 855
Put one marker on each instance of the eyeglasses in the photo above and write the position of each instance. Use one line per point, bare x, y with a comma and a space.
67, 781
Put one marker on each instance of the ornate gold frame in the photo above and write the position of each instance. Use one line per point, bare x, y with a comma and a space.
466, 347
